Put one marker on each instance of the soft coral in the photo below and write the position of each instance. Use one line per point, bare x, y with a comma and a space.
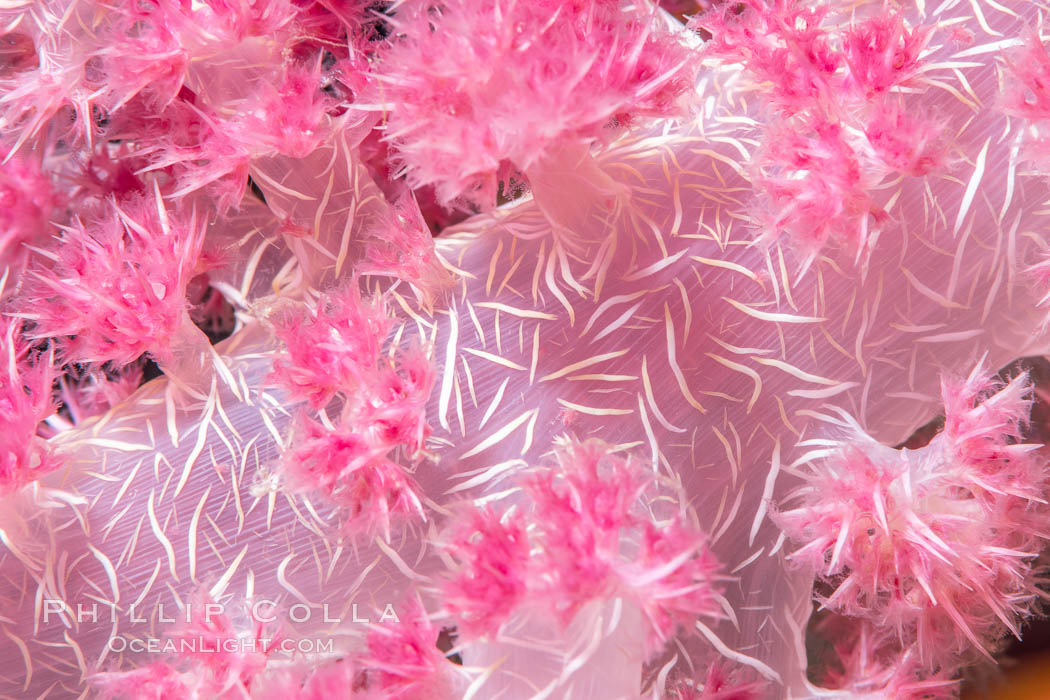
336, 350
938, 544
25, 401
473, 85
116, 285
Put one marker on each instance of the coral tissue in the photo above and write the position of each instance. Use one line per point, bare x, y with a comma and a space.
520, 348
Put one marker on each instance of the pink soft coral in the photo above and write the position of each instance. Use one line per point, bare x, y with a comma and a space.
796, 52
583, 501
25, 401
722, 682
781, 42
286, 116
1026, 94
322, 682
130, 73
210, 147
92, 391
869, 661
26, 203
400, 245
143, 54
403, 662
937, 544
492, 554
220, 653
676, 578
883, 52
210, 657
353, 472
815, 185
157, 681
583, 534
905, 143
833, 88
336, 350
596, 543
115, 287
474, 84
1026, 89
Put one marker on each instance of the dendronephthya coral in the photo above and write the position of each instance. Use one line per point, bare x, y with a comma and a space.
562, 347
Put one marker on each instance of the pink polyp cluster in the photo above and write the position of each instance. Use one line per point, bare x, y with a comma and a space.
870, 663
816, 186
1026, 92
402, 661
26, 201
94, 391
471, 85
210, 656
933, 548
335, 351
782, 43
156, 681
215, 648
130, 75
401, 245
837, 95
491, 554
583, 533
25, 402
114, 287
719, 683
332, 348
352, 471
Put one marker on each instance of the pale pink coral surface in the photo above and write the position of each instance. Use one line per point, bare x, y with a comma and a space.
626, 304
